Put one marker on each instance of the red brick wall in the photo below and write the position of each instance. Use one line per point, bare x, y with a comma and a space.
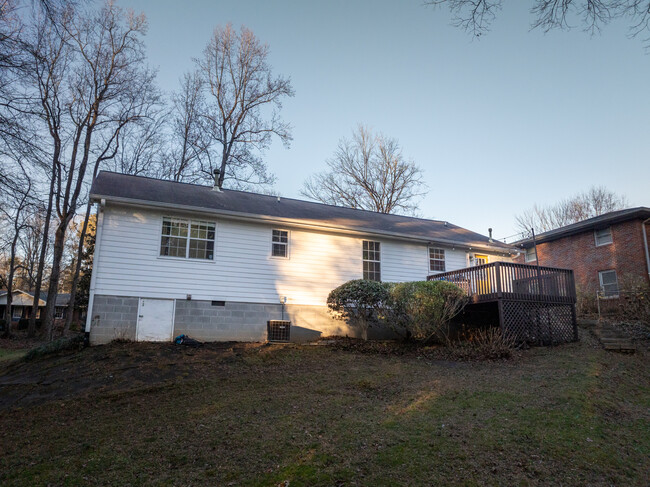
626, 254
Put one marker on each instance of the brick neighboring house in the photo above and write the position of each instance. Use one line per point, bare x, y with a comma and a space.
602, 250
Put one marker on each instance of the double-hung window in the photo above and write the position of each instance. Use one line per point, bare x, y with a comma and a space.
608, 283
59, 313
371, 260
436, 260
190, 239
603, 236
280, 244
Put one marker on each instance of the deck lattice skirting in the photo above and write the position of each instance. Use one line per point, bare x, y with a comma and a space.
535, 304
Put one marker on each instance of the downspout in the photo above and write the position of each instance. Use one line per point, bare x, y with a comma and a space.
93, 276
645, 245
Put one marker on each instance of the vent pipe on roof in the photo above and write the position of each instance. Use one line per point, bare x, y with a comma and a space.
490, 233
217, 186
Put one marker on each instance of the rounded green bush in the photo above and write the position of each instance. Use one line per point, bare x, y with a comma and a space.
359, 302
424, 308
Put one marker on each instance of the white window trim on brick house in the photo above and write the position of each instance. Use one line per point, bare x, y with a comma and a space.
612, 292
603, 236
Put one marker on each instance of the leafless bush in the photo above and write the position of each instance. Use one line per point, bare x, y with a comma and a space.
482, 344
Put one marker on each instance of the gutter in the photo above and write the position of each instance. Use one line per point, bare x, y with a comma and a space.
234, 215
645, 245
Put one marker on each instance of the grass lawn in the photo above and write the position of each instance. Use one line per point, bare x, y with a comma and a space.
159, 414
12, 354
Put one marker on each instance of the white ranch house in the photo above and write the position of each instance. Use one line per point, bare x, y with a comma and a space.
174, 258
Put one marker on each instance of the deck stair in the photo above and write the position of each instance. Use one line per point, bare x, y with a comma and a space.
613, 339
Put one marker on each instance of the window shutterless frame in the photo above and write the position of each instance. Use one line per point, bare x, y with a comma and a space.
437, 261
608, 283
184, 238
371, 256
530, 255
603, 236
280, 243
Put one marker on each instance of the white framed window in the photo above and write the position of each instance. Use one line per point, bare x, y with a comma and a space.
280, 243
190, 239
17, 312
530, 255
603, 236
437, 260
371, 260
608, 283
59, 312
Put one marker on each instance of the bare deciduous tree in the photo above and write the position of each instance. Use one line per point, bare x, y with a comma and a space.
241, 106
593, 202
368, 172
15, 205
476, 16
90, 82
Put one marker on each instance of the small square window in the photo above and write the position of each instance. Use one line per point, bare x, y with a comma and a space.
603, 236
531, 255
280, 244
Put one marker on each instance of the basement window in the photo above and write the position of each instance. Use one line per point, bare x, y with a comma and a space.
603, 236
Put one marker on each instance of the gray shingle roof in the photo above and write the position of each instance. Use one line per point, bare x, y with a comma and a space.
597, 222
169, 194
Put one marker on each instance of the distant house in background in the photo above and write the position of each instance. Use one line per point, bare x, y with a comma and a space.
602, 251
21, 306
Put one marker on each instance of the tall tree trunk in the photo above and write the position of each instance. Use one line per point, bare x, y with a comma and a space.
59, 243
77, 269
31, 328
10, 287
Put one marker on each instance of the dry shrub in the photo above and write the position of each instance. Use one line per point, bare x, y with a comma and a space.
482, 344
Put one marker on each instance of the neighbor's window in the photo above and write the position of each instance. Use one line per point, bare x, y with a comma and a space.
280, 243
17, 313
371, 261
608, 283
59, 312
530, 255
437, 260
604, 236
191, 239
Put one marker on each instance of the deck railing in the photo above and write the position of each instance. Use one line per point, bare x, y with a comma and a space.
507, 280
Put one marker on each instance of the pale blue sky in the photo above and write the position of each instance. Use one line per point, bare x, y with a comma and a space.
497, 124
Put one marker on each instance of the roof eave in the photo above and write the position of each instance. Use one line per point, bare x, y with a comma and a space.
234, 215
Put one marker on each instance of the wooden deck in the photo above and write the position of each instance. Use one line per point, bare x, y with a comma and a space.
534, 304
515, 282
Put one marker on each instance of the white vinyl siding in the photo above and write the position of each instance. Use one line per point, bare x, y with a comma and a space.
129, 262
603, 236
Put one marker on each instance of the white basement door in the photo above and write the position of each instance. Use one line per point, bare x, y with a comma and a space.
155, 320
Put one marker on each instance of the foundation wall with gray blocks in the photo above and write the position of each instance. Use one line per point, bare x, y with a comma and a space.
116, 317
113, 317
237, 321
